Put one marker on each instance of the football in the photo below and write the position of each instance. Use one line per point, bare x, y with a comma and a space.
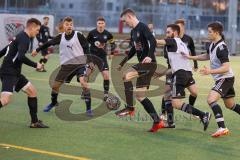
113, 102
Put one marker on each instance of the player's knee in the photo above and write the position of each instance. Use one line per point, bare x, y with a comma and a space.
56, 86
126, 77
5, 100
210, 101
31, 91
140, 98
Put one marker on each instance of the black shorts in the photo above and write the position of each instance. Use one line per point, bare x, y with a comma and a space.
145, 72
44, 52
12, 83
181, 79
67, 72
101, 63
225, 87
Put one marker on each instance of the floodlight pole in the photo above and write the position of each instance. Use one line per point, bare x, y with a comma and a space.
232, 25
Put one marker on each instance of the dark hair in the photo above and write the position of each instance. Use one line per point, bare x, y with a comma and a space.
100, 19
180, 21
128, 11
33, 21
217, 27
45, 17
68, 19
174, 27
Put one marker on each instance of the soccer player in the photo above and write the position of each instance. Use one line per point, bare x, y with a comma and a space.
43, 37
73, 48
182, 74
98, 38
222, 73
143, 44
151, 28
10, 72
190, 44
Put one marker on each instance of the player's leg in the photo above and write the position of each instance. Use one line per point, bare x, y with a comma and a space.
8, 85
44, 59
24, 85
149, 108
179, 82
128, 88
193, 93
81, 74
106, 83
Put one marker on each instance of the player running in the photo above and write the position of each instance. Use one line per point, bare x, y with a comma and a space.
10, 72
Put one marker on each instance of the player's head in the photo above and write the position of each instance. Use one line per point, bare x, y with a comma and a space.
181, 24
68, 25
150, 26
172, 31
60, 27
215, 30
129, 17
33, 27
45, 20
101, 23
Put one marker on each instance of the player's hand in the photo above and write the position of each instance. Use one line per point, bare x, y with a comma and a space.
147, 60
39, 66
91, 65
119, 67
185, 55
40, 43
34, 53
205, 71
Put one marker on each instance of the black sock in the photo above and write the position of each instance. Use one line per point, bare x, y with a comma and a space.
191, 110
163, 107
169, 109
106, 86
41, 60
235, 108
87, 97
192, 100
54, 96
129, 93
217, 111
148, 106
45, 60
1, 104
32, 104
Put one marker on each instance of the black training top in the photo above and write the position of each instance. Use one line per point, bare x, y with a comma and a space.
14, 54
44, 34
143, 43
95, 37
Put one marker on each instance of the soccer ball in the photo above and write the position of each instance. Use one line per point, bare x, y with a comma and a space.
113, 102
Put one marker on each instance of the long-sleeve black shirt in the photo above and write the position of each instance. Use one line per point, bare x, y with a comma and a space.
143, 43
15, 55
44, 34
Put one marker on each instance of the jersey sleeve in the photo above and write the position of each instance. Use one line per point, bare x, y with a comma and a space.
170, 42
222, 54
191, 47
112, 42
54, 41
151, 42
84, 43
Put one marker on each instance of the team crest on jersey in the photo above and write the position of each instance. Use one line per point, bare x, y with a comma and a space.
105, 37
138, 34
13, 26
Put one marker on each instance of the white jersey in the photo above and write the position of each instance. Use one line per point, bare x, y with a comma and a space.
175, 49
71, 51
216, 53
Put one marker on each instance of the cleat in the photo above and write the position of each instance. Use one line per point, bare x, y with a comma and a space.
49, 107
169, 125
126, 111
156, 126
220, 132
38, 124
105, 97
205, 120
89, 113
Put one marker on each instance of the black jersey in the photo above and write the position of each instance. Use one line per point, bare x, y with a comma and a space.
190, 44
15, 55
44, 34
95, 38
143, 43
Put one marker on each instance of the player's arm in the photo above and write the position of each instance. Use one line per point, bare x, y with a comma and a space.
161, 42
85, 45
54, 41
22, 49
39, 36
193, 52
202, 57
151, 42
